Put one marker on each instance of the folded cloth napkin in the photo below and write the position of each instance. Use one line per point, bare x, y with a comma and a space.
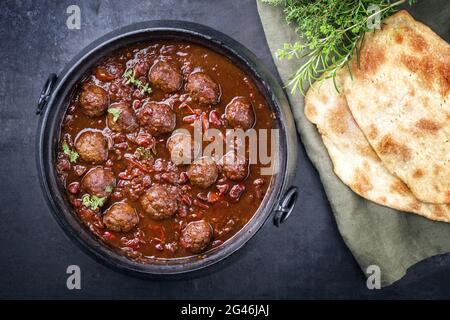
376, 235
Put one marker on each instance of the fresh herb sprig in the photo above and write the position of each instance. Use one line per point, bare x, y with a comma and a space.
73, 155
130, 77
331, 32
93, 202
144, 153
115, 113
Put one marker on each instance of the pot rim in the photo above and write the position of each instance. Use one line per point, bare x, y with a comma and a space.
49, 126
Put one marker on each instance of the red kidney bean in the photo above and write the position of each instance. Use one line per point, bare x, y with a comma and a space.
170, 177
108, 235
113, 88
124, 175
186, 199
63, 165
202, 196
200, 204
121, 146
236, 191
222, 188
74, 187
77, 203
183, 178
146, 181
135, 172
214, 118
79, 170
213, 197
144, 139
117, 195
190, 119
183, 211
123, 183
141, 68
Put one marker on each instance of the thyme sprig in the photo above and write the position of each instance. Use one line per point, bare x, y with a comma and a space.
130, 77
331, 32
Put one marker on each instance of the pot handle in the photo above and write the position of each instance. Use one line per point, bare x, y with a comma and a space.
46, 93
285, 206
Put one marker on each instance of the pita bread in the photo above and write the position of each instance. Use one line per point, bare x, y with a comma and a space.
354, 161
399, 97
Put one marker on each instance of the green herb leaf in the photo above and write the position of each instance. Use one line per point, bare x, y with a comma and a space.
115, 113
73, 155
144, 153
331, 31
93, 202
130, 77
108, 189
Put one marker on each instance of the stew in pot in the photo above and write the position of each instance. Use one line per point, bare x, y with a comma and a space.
121, 151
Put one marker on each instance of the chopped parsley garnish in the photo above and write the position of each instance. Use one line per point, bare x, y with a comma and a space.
108, 189
144, 153
93, 202
115, 113
73, 155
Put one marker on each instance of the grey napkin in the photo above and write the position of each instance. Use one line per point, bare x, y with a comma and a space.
376, 235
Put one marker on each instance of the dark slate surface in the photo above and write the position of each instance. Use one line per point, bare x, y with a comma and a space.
305, 258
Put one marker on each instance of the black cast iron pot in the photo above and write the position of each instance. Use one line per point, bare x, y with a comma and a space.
279, 200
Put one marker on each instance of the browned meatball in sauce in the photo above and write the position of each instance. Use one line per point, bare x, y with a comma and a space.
93, 100
120, 217
234, 166
99, 182
92, 146
182, 148
157, 118
165, 77
203, 172
196, 236
159, 202
202, 88
126, 122
239, 113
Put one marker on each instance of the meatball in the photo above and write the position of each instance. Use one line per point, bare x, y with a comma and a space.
99, 182
202, 88
159, 202
121, 118
120, 217
203, 172
93, 100
158, 118
239, 113
196, 236
92, 146
234, 167
182, 148
165, 77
